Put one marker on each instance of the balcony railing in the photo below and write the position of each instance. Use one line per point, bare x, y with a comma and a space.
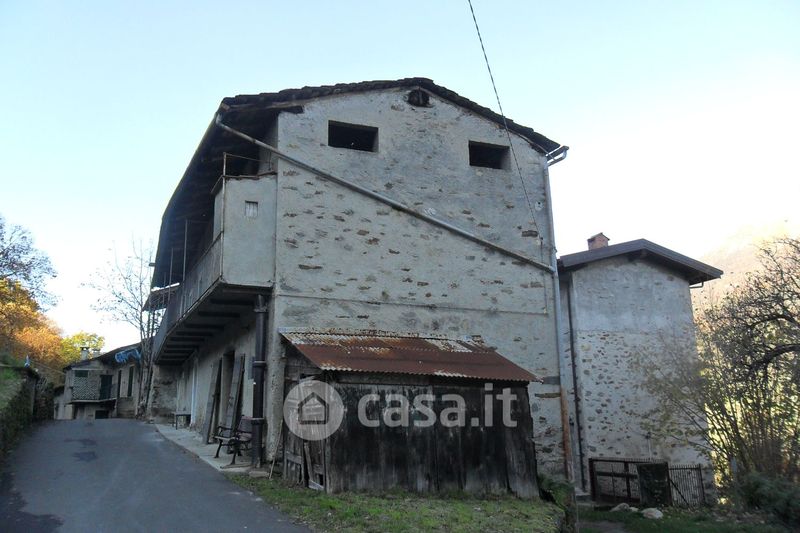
198, 281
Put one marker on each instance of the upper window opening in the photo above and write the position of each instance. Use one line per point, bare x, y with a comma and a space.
251, 209
352, 136
488, 155
419, 98
81, 373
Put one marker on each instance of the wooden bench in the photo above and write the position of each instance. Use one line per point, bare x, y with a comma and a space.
178, 415
235, 439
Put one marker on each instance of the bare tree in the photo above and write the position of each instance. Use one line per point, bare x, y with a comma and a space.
22, 263
764, 314
123, 285
740, 398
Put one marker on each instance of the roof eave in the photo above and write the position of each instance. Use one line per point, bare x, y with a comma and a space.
694, 270
258, 101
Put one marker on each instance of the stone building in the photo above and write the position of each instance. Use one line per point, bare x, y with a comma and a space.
401, 209
392, 206
105, 386
624, 306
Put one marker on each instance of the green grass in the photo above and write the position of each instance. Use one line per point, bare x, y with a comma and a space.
10, 382
402, 512
674, 521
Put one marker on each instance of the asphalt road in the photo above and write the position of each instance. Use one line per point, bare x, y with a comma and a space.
121, 475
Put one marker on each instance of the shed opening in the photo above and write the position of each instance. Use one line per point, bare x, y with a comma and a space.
488, 155
352, 136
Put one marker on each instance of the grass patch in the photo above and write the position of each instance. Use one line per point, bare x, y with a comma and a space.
10, 383
676, 521
15, 412
403, 512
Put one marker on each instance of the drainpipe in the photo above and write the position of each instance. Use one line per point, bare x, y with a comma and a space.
568, 466
575, 398
259, 365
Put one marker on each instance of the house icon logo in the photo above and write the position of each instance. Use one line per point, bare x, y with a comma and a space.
313, 410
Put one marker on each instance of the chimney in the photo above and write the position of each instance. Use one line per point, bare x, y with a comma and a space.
597, 241
84, 353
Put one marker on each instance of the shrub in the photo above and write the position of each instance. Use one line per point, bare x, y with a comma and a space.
562, 494
777, 496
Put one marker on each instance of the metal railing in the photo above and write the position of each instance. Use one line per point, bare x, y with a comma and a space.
617, 481
198, 281
687, 485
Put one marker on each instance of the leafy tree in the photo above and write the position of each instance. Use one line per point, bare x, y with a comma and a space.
17, 310
24, 270
70, 348
42, 342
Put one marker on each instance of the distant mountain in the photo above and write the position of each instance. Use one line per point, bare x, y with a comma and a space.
738, 254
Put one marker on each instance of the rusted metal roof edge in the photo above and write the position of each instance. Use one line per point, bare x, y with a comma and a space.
330, 368
351, 355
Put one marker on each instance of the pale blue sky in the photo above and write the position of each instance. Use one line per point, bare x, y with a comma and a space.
681, 116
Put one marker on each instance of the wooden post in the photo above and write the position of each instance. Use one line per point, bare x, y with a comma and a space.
233, 397
213, 400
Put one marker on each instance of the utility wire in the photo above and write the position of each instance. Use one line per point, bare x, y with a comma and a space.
502, 114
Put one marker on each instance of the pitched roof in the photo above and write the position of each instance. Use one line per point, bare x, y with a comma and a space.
241, 102
192, 199
694, 271
405, 354
110, 357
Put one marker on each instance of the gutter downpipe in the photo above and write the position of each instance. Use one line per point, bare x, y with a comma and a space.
259, 364
384, 199
565, 433
575, 398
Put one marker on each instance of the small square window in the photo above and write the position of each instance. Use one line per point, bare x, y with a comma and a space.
251, 209
81, 373
488, 155
352, 136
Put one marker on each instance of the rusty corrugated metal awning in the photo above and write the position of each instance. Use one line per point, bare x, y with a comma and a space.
405, 354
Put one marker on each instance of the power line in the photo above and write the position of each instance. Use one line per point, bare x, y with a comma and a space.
502, 114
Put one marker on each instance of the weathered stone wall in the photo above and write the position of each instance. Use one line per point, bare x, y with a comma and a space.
625, 314
197, 372
347, 261
163, 393
422, 160
343, 260
17, 414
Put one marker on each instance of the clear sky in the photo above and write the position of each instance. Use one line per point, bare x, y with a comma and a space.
682, 117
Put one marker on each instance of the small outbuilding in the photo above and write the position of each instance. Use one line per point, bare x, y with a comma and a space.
105, 386
418, 413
